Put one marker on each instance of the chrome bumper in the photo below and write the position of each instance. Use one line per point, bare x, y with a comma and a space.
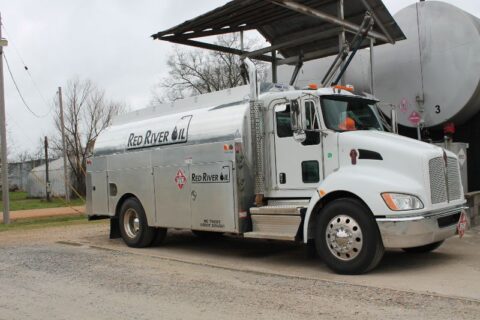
419, 230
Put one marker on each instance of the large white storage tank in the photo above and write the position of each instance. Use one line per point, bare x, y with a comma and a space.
434, 73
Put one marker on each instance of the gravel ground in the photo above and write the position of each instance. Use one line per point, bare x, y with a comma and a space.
41, 278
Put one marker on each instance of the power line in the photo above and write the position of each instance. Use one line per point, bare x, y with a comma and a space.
19, 126
27, 70
19, 93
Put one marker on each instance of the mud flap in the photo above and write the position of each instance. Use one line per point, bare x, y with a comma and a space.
311, 249
114, 229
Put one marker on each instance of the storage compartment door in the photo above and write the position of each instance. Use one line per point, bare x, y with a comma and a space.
172, 197
97, 193
212, 197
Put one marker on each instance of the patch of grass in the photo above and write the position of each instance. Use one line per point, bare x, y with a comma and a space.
26, 224
17, 195
19, 201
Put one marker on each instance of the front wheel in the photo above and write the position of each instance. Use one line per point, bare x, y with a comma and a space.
133, 225
424, 249
347, 237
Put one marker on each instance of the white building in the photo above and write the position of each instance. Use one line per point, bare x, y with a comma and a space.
36, 186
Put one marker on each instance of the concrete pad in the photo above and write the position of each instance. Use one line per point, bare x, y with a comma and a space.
453, 270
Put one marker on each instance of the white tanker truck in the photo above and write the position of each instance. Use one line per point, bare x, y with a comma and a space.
312, 165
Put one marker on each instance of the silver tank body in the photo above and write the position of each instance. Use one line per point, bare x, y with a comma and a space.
193, 150
433, 73
207, 122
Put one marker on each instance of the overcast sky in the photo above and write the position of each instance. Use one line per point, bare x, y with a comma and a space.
106, 41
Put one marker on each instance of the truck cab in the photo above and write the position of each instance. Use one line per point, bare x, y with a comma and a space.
328, 148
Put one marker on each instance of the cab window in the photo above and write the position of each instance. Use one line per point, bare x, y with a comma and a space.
313, 137
310, 172
311, 116
284, 122
342, 113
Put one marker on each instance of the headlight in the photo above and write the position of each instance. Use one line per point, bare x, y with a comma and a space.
402, 202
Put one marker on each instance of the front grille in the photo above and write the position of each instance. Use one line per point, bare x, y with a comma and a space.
448, 220
438, 185
453, 173
438, 188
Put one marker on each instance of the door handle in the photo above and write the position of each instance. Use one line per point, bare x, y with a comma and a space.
282, 178
194, 195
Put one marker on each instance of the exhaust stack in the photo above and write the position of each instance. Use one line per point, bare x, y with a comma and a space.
257, 132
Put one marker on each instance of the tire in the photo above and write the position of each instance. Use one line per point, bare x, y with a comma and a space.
424, 249
207, 235
133, 225
159, 238
347, 237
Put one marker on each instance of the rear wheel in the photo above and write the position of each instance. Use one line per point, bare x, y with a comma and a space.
347, 237
133, 225
424, 249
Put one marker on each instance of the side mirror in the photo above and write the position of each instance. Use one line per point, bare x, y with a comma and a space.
296, 115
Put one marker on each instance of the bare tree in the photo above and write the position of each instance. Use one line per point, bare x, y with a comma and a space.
31, 155
197, 71
87, 113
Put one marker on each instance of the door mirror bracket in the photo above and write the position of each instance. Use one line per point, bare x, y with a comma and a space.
300, 136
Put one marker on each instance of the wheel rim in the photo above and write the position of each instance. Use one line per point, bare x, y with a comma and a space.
131, 223
344, 237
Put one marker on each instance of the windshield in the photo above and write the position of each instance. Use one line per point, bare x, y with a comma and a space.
350, 113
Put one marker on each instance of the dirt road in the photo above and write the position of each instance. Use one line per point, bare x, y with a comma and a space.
45, 213
75, 272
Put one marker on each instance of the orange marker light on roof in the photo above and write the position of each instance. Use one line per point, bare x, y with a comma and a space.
346, 88
313, 86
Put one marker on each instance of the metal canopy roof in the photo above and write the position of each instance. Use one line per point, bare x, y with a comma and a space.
306, 28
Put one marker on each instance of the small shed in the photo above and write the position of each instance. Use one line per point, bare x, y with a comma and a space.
18, 173
36, 185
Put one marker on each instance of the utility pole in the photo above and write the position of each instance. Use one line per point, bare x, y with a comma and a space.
47, 180
64, 147
3, 125
372, 67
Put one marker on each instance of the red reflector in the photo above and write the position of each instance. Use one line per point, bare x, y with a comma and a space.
449, 128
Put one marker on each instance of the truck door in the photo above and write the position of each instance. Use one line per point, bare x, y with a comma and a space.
297, 164
212, 196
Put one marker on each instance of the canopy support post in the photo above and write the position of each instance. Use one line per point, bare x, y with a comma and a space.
341, 36
298, 67
274, 67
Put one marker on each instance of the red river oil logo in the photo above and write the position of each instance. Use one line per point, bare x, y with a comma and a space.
158, 137
213, 175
